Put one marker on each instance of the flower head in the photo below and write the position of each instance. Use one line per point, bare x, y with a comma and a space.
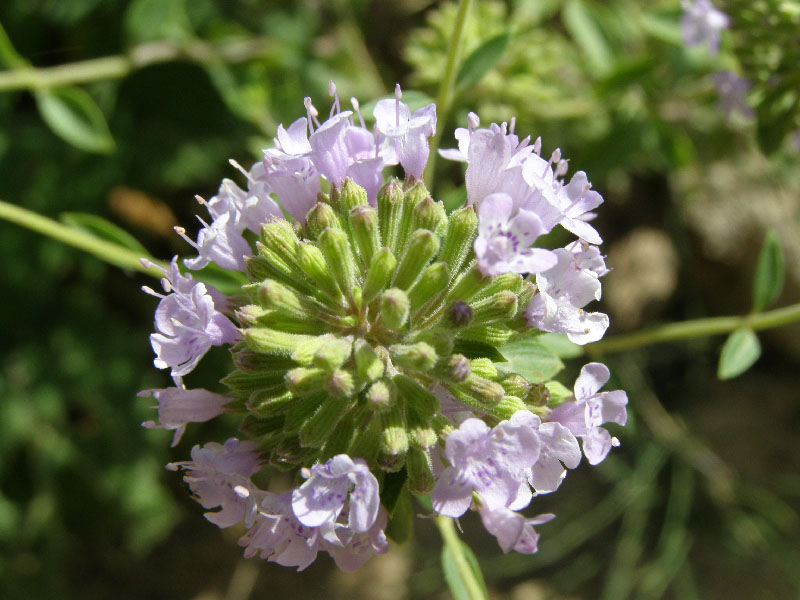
701, 24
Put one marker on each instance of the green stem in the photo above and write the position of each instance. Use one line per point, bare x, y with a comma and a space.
24, 77
450, 538
105, 251
448, 86
693, 329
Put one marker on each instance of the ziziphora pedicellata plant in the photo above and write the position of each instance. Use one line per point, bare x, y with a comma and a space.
364, 345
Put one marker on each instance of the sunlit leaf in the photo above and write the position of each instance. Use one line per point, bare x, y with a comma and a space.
74, 116
768, 280
531, 359
739, 352
148, 20
585, 31
481, 61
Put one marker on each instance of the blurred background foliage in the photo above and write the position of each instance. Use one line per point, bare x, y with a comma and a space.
700, 500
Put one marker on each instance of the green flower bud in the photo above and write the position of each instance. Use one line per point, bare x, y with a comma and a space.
460, 314
368, 364
467, 285
414, 357
380, 272
493, 335
319, 427
272, 341
526, 295
336, 248
312, 263
508, 406
419, 400
254, 362
394, 308
332, 353
422, 247
390, 212
279, 236
319, 218
420, 471
462, 228
432, 281
367, 441
364, 225
538, 395
484, 367
340, 384
457, 368
477, 392
340, 439
428, 214
507, 282
348, 196
379, 396
303, 381
394, 439
516, 385
241, 383
279, 269
301, 410
268, 405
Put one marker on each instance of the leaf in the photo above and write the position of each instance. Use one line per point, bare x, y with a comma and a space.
739, 352
768, 280
401, 524
452, 575
481, 61
150, 20
531, 359
585, 31
775, 117
560, 345
104, 229
558, 393
74, 116
473, 349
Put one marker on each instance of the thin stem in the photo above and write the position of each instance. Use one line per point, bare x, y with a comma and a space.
447, 529
25, 77
105, 251
693, 329
448, 86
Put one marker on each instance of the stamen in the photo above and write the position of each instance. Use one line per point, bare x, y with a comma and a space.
398, 94
336, 108
537, 146
312, 114
152, 292
513, 124
200, 200
473, 121
241, 169
357, 109
182, 232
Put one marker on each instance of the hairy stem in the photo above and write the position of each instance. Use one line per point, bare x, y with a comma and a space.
24, 77
447, 529
694, 329
105, 251
448, 85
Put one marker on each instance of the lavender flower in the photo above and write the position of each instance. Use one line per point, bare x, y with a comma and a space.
218, 475
563, 291
732, 91
408, 134
320, 500
178, 406
358, 547
512, 530
187, 323
504, 242
701, 24
590, 409
558, 446
490, 462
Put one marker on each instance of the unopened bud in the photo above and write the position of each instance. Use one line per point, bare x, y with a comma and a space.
315, 432
418, 400
516, 385
336, 249
394, 439
467, 285
420, 471
301, 410
428, 214
422, 246
303, 381
458, 368
394, 308
538, 395
501, 306
263, 406
390, 212
340, 383
494, 335
509, 405
279, 236
348, 196
319, 218
271, 341
484, 367
477, 391
414, 357
332, 354
304, 351
369, 365
364, 225
379, 395
462, 227
312, 262
511, 282
379, 274
432, 281
460, 314
275, 295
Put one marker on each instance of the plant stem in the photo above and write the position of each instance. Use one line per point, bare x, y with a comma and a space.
105, 251
447, 529
24, 77
693, 329
447, 88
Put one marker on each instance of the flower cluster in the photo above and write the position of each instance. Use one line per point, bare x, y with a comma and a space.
363, 343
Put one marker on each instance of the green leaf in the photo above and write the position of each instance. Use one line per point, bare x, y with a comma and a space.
481, 61
768, 280
775, 117
473, 349
401, 525
9, 56
587, 34
560, 345
104, 229
74, 116
457, 586
531, 359
739, 352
